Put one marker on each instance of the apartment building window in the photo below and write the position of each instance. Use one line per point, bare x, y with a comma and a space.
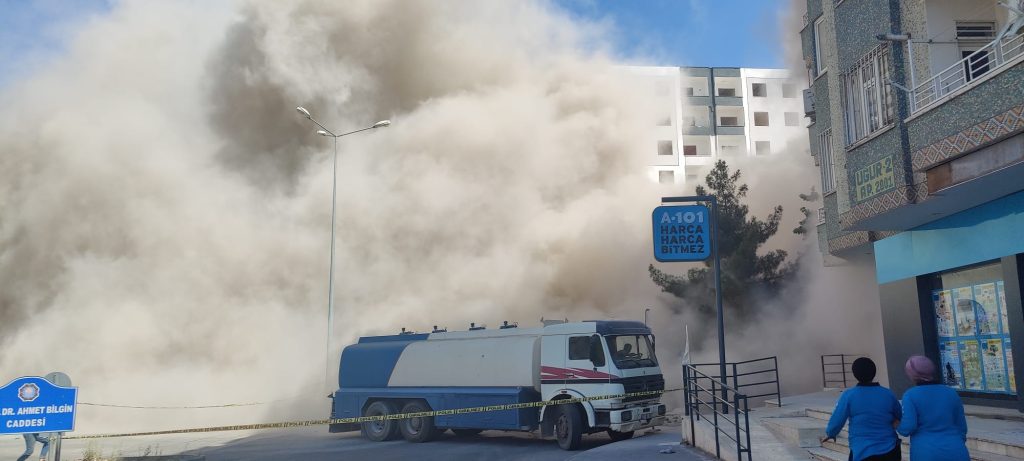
666, 177
729, 149
792, 119
819, 64
689, 151
984, 31
828, 174
689, 120
759, 90
789, 91
730, 121
689, 91
665, 121
972, 36
760, 118
867, 96
762, 147
664, 147
727, 91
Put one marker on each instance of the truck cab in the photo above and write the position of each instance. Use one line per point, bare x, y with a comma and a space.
609, 366
603, 358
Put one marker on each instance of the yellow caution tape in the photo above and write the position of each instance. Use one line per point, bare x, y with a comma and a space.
107, 405
363, 419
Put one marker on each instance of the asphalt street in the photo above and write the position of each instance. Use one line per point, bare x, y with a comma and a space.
314, 444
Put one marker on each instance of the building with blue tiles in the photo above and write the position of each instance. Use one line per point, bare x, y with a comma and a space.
917, 111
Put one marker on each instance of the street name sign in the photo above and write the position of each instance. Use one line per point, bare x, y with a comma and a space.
681, 233
32, 404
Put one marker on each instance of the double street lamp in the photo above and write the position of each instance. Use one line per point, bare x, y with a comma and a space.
323, 131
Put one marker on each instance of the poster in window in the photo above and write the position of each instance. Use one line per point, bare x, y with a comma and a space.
1009, 365
965, 321
1002, 308
988, 308
995, 370
943, 302
950, 363
970, 359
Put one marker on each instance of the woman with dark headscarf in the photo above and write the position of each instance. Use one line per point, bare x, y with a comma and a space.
933, 416
873, 411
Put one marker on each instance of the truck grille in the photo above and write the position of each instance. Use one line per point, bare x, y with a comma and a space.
642, 384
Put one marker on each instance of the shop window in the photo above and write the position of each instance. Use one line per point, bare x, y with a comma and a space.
971, 322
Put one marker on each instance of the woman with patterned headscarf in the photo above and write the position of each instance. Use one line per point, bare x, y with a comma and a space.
933, 416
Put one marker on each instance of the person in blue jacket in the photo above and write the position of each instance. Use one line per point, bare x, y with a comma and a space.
873, 412
933, 416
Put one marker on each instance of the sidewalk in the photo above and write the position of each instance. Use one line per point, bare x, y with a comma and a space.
645, 446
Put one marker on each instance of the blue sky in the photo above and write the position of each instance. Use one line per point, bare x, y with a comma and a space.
707, 33
714, 33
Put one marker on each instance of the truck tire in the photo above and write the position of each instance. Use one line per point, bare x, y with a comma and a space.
467, 432
417, 430
568, 427
379, 431
617, 436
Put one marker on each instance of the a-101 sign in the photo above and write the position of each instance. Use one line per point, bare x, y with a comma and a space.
32, 404
681, 233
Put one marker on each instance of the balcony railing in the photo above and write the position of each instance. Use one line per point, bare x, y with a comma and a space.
995, 55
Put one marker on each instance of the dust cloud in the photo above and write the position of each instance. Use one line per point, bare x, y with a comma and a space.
165, 212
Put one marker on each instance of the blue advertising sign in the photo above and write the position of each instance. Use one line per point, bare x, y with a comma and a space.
33, 404
681, 233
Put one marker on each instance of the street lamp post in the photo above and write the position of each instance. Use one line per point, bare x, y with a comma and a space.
323, 131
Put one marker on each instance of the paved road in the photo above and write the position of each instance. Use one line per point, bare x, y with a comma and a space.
315, 444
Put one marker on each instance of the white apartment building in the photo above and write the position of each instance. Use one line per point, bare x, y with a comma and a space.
707, 113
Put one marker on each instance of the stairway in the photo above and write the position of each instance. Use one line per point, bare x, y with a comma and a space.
805, 429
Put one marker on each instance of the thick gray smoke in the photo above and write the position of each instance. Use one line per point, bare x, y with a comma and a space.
165, 212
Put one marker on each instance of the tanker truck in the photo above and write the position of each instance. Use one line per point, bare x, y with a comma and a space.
447, 370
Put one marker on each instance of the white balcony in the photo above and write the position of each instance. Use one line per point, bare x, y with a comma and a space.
990, 59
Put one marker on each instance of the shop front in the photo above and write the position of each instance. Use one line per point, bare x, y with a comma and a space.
951, 290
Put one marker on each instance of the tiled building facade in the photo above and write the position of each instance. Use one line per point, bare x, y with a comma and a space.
918, 127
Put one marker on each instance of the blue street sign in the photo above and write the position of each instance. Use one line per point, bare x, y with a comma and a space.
33, 404
681, 233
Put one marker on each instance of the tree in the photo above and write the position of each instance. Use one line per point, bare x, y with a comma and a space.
744, 271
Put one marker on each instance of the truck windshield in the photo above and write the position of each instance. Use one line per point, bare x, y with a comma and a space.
631, 351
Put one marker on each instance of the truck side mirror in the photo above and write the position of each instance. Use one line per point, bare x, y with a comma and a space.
596, 351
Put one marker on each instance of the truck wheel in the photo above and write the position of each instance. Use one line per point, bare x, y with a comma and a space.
617, 436
419, 429
467, 432
379, 431
569, 427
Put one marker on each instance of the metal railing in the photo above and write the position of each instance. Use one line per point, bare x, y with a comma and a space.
760, 374
994, 55
706, 398
833, 365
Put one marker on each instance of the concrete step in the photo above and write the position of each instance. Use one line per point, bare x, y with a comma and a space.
819, 413
800, 431
987, 443
824, 454
982, 456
